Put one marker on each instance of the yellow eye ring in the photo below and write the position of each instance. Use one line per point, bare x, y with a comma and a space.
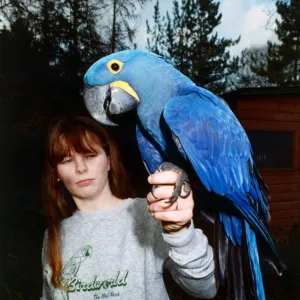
115, 66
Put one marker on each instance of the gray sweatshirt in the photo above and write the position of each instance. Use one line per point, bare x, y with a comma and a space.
121, 253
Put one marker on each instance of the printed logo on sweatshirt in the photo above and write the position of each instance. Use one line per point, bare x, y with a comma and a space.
75, 284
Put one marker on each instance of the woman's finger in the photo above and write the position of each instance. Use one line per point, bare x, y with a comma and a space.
176, 216
160, 192
165, 177
164, 205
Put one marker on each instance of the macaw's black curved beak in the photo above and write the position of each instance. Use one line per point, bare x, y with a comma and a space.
106, 103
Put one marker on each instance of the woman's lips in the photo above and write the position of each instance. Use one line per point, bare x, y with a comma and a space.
84, 182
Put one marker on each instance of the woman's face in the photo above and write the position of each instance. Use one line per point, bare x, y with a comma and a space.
85, 176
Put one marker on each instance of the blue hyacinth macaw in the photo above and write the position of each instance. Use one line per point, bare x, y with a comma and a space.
187, 125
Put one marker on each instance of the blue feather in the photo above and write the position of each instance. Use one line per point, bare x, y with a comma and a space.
237, 229
254, 263
225, 219
150, 154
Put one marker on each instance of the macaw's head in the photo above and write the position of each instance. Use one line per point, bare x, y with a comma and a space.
118, 83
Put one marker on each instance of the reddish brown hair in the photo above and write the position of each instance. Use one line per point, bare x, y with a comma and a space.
65, 136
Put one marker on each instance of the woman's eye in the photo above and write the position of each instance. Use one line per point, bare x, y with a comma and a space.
65, 161
90, 155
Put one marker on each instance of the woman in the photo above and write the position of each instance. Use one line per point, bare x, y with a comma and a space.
100, 243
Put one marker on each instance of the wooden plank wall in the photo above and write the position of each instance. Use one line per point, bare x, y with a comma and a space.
277, 114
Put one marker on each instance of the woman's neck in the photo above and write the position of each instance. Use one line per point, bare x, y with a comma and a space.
105, 200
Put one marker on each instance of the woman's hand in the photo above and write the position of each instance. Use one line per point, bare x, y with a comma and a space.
175, 216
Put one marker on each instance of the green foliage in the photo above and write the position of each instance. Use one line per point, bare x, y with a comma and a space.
188, 37
281, 65
63, 34
251, 60
156, 41
13, 65
120, 28
284, 59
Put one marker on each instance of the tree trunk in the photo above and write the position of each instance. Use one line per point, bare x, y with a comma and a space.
45, 31
296, 61
113, 31
75, 26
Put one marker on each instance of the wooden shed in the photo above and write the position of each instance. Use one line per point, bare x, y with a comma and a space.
271, 118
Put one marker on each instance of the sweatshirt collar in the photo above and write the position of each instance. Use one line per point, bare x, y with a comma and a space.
94, 215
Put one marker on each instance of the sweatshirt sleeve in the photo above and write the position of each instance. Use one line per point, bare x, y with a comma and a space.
191, 262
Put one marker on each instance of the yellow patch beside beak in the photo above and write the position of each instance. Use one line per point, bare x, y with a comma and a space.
126, 87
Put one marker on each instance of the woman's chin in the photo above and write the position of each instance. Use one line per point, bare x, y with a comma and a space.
86, 194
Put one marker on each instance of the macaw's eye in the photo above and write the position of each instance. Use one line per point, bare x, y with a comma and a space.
115, 66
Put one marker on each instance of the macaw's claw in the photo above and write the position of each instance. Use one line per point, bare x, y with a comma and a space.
154, 186
182, 186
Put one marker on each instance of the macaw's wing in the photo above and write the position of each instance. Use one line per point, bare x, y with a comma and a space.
151, 157
217, 147
220, 153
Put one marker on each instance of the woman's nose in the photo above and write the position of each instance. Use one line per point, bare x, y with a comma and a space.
81, 166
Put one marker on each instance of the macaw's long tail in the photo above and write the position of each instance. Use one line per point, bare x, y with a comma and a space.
254, 261
237, 258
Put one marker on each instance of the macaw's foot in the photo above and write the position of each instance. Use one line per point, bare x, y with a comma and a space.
182, 186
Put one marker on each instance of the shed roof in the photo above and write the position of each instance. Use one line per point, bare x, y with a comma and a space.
264, 91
